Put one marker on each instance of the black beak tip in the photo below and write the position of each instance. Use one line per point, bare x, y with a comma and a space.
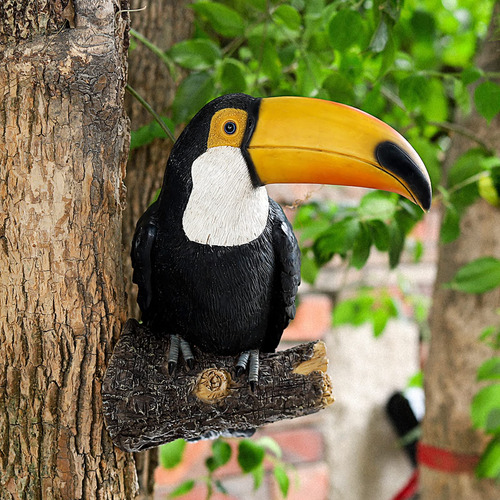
397, 161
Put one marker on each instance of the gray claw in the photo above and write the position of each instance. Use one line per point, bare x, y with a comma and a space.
179, 344
250, 360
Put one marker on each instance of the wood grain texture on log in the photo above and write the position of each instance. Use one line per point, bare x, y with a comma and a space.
144, 406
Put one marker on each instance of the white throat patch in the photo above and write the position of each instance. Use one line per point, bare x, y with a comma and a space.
224, 208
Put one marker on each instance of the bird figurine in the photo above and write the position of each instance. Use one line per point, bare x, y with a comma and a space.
215, 259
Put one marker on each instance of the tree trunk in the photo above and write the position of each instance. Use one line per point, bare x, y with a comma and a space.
63, 150
163, 22
457, 320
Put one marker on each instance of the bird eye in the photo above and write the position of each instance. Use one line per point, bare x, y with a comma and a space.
230, 127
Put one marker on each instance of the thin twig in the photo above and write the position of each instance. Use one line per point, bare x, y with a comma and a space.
458, 129
150, 110
157, 51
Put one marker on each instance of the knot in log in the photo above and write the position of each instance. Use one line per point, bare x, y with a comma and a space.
213, 385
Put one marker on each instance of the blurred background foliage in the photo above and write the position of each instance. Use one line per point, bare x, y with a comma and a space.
411, 64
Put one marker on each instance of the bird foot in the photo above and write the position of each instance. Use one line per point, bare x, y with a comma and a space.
250, 360
179, 344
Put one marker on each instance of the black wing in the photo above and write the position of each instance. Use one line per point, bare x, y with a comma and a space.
287, 281
142, 245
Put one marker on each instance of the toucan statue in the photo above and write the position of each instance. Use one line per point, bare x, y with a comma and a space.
215, 259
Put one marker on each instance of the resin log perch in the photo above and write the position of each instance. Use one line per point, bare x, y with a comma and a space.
144, 406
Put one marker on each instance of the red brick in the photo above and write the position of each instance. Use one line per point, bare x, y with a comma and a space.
313, 483
313, 319
300, 445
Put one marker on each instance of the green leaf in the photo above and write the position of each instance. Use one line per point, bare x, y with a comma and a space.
485, 409
258, 476
424, 25
414, 91
339, 88
397, 241
489, 370
221, 451
308, 268
378, 205
379, 321
224, 20
250, 455
355, 311
470, 75
287, 15
416, 380
487, 99
171, 453
148, 133
282, 479
361, 247
339, 238
195, 54
182, 489
271, 445
380, 234
193, 93
450, 227
479, 276
491, 337
489, 464
380, 37
271, 64
346, 29
233, 76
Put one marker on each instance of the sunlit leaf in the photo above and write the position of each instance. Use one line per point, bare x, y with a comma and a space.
489, 465
282, 479
258, 476
377, 205
182, 489
490, 369
171, 453
271, 445
485, 408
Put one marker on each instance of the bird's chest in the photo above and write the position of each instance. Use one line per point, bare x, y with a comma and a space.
217, 297
224, 208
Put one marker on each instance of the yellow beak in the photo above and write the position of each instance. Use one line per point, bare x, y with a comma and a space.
307, 140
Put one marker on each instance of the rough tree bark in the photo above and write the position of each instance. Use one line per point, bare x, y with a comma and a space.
63, 146
457, 320
163, 22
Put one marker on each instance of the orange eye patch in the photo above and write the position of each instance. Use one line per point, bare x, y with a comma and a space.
227, 128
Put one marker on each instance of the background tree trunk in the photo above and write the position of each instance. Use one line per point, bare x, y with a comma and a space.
457, 320
63, 145
163, 22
